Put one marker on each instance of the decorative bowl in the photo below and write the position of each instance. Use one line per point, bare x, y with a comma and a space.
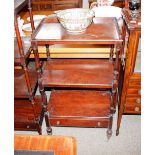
75, 20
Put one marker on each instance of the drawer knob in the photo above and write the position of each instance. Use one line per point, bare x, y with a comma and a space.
98, 123
58, 122
137, 109
138, 100
139, 92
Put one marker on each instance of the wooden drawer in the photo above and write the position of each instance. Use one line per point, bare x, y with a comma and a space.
83, 108
135, 108
28, 126
134, 87
133, 100
134, 92
134, 83
75, 122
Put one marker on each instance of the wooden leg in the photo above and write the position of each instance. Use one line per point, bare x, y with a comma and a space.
44, 108
41, 117
109, 130
114, 91
39, 130
111, 53
120, 112
48, 126
44, 100
109, 133
44, 112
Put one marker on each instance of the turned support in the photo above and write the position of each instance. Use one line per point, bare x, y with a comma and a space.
30, 14
47, 52
41, 89
111, 53
109, 130
115, 90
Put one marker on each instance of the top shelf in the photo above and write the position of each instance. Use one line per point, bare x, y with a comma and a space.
19, 5
103, 30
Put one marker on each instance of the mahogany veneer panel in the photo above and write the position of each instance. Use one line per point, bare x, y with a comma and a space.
20, 86
48, 5
84, 108
81, 73
24, 117
60, 145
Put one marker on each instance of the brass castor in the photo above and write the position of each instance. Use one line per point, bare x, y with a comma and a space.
117, 132
109, 133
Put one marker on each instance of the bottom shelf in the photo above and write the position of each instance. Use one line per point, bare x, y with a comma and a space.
83, 108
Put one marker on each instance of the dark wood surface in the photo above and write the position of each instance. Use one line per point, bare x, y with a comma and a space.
28, 107
24, 115
101, 31
79, 108
81, 74
60, 145
117, 3
52, 5
78, 73
132, 109
20, 85
131, 91
27, 51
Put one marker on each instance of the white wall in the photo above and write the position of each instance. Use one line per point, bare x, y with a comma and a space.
85, 4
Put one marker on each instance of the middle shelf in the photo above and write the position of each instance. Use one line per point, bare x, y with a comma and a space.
78, 73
